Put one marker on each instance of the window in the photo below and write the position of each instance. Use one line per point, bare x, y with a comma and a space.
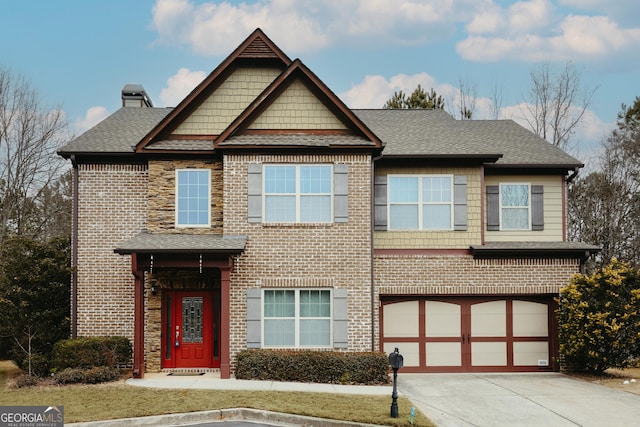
298, 193
297, 318
420, 202
514, 207
193, 205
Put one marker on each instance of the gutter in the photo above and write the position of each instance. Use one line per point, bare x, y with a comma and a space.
372, 229
74, 249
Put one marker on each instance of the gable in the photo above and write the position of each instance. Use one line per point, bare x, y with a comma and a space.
297, 108
227, 101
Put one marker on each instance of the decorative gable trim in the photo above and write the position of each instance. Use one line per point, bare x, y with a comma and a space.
256, 48
297, 70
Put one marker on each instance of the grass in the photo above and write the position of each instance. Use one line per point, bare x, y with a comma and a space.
614, 378
119, 400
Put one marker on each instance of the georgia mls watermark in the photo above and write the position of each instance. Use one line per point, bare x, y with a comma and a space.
31, 416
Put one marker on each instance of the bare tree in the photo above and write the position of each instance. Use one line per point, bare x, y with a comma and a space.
605, 205
466, 101
497, 98
557, 103
29, 137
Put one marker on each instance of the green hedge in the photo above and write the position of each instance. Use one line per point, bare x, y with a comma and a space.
313, 366
90, 352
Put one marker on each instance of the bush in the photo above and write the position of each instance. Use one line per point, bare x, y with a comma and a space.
91, 352
95, 375
40, 365
26, 380
599, 319
313, 366
68, 376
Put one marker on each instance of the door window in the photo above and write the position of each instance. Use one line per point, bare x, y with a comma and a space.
191, 319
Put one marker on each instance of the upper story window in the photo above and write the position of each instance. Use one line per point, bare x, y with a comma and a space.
514, 207
193, 198
298, 193
297, 317
420, 202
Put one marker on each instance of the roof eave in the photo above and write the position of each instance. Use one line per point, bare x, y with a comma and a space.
515, 253
568, 166
227, 251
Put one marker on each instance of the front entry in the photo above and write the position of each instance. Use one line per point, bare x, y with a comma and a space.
190, 329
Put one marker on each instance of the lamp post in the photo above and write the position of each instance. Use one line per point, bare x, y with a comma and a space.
396, 361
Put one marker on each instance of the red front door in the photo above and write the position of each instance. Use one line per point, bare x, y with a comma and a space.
189, 330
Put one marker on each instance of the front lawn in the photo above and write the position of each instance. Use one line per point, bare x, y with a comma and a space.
118, 400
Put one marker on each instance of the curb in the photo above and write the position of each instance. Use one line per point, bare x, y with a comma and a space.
220, 415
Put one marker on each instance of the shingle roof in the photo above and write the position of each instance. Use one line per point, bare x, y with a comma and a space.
118, 133
405, 133
182, 144
435, 133
182, 243
296, 140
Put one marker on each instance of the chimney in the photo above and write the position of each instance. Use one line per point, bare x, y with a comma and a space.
133, 95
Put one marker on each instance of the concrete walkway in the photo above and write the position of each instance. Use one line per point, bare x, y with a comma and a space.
212, 381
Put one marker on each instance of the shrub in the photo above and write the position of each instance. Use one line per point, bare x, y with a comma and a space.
91, 352
313, 366
25, 380
599, 319
68, 376
40, 365
95, 375
100, 374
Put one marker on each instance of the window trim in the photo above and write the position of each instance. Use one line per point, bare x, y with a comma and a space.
421, 203
298, 195
177, 196
297, 318
501, 207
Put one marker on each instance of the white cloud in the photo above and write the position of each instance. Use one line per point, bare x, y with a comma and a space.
180, 85
535, 31
487, 21
374, 91
93, 116
214, 28
594, 36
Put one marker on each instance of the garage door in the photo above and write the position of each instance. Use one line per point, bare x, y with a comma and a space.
470, 334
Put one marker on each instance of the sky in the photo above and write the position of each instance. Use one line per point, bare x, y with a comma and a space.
78, 54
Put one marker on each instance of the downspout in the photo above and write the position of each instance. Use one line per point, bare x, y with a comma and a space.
565, 204
372, 227
74, 249
573, 175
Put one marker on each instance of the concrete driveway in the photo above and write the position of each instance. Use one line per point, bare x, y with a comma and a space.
557, 400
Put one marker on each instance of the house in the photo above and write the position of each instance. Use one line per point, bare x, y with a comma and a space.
262, 212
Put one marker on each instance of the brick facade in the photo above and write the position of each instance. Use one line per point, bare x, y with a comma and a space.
259, 93
110, 201
334, 255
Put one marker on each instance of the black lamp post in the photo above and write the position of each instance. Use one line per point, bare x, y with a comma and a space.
396, 361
